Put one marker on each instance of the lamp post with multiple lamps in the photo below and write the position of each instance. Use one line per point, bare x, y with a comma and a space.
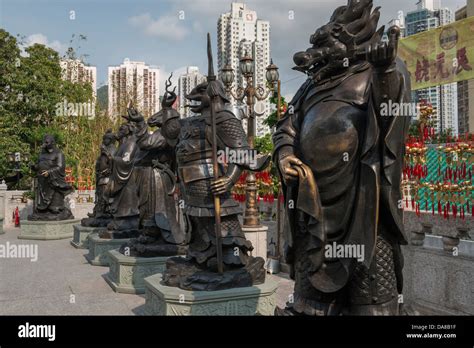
15, 158
250, 94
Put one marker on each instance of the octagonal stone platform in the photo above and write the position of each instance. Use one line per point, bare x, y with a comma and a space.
252, 300
98, 248
80, 239
127, 274
47, 230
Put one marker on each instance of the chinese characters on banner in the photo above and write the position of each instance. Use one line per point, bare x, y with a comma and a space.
439, 56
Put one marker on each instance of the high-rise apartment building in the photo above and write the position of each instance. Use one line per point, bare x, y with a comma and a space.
429, 15
239, 32
399, 22
135, 82
76, 71
186, 83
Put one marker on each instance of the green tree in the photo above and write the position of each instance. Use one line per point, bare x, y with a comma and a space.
12, 80
272, 119
31, 94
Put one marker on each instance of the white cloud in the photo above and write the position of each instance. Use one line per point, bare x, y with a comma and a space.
42, 39
197, 27
167, 27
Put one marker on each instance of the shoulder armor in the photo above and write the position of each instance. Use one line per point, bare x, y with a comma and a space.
230, 132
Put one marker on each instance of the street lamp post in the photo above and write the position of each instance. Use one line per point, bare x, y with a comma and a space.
251, 94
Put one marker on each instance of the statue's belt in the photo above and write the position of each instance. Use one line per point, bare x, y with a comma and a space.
196, 172
201, 155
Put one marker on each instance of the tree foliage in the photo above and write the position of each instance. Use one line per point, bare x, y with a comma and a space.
272, 119
31, 94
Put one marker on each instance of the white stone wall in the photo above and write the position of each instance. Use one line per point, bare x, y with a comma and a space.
9, 200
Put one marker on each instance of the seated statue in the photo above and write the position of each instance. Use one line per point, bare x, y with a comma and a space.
51, 187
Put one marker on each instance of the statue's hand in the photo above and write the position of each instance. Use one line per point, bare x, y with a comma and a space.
221, 185
45, 173
384, 54
290, 175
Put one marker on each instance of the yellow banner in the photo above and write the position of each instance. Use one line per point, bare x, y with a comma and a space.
439, 56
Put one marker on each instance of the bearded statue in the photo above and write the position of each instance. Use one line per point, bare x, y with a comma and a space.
51, 186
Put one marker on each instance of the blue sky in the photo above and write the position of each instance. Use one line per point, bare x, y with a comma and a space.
151, 31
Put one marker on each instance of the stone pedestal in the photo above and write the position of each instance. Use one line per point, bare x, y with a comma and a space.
47, 230
98, 248
127, 273
252, 300
258, 236
437, 282
80, 239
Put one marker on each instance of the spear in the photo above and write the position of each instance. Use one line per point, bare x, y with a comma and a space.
211, 78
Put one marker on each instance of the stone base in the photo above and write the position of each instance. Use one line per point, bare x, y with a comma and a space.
1, 226
252, 300
64, 214
80, 240
47, 230
439, 282
257, 235
189, 275
127, 273
98, 248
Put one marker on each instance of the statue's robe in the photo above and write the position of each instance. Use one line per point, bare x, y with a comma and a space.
103, 170
156, 186
51, 190
121, 191
354, 157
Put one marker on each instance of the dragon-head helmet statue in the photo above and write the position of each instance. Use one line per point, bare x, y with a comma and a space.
341, 42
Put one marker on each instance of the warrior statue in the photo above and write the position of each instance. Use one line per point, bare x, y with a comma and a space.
51, 187
340, 163
193, 142
101, 216
161, 233
121, 192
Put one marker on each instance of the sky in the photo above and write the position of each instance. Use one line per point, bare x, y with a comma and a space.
171, 34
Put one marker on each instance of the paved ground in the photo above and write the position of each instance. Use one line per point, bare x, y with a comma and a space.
45, 287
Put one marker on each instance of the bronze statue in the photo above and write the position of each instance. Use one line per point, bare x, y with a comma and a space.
340, 163
51, 187
121, 191
161, 233
101, 215
193, 140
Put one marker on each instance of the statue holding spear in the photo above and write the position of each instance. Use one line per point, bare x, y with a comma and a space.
218, 254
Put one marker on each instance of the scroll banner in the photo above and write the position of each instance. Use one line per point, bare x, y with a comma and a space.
439, 56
